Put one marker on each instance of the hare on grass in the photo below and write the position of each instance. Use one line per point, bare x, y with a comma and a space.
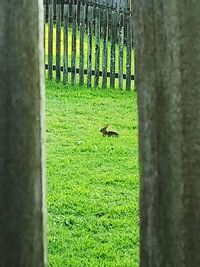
108, 133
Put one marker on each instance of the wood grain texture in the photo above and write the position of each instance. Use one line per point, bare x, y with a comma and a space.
50, 41
65, 46
22, 204
89, 52
82, 40
73, 58
105, 49
168, 82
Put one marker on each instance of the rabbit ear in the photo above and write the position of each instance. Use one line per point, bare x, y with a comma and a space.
106, 126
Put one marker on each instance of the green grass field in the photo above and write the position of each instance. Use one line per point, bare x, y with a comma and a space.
93, 182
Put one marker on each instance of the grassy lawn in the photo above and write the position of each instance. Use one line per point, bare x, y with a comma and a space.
92, 180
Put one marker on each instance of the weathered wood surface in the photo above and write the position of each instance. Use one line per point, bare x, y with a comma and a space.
58, 41
65, 46
113, 49
97, 47
105, 49
121, 50
22, 205
73, 59
128, 52
50, 41
99, 26
168, 82
89, 52
82, 40
118, 4
44, 21
92, 72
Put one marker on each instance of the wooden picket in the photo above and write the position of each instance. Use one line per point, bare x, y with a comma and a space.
113, 49
73, 57
97, 46
121, 50
44, 30
89, 52
58, 40
129, 53
105, 49
90, 41
50, 40
82, 39
65, 44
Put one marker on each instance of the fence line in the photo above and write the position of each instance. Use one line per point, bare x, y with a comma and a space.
105, 4
88, 44
92, 72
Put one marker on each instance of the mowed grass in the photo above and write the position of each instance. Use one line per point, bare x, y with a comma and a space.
93, 185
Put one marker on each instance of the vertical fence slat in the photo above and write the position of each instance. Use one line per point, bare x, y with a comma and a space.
86, 18
121, 50
89, 52
113, 49
129, 54
105, 49
82, 39
65, 45
78, 9
44, 33
73, 58
50, 40
58, 40
97, 47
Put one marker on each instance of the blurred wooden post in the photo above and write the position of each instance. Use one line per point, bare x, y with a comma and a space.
167, 50
22, 208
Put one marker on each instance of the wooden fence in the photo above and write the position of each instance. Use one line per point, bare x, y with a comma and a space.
88, 43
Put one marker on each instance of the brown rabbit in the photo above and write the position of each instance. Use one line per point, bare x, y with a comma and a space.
108, 133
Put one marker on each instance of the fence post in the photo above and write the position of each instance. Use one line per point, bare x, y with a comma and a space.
82, 28
73, 58
121, 50
113, 49
89, 51
65, 45
97, 46
105, 49
58, 39
50, 40
128, 51
168, 82
22, 208
44, 8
